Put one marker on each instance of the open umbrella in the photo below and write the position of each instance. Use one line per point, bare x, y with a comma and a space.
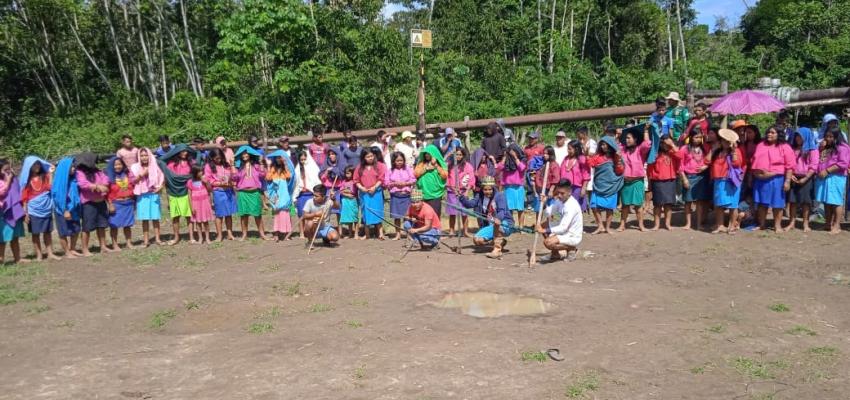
746, 102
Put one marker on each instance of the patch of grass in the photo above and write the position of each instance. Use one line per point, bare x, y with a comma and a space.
215, 245
271, 268
255, 240
259, 328
359, 303
160, 318
146, 257
191, 265
288, 289
763, 396
698, 370
779, 307
317, 308
66, 324
825, 351
273, 312
19, 283
583, 385
801, 330
538, 356
716, 328
359, 372
192, 305
38, 309
354, 324
758, 369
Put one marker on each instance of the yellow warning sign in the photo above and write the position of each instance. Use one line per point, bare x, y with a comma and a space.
420, 38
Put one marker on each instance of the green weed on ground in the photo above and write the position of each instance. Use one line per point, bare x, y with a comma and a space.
20, 283
825, 351
538, 356
758, 369
258, 328
263, 321
801, 330
354, 324
160, 318
583, 385
288, 289
318, 308
779, 307
716, 328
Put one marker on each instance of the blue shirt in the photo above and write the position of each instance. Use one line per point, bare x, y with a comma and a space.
455, 143
159, 152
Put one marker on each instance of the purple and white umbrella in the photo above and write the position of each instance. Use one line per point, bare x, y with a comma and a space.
746, 102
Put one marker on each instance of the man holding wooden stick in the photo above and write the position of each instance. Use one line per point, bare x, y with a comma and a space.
317, 216
565, 235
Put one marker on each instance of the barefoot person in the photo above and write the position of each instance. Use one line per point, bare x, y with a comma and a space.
498, 223
662, 175
564, 234
634, 148
280, 185
369, 177
66, 203
12, 223
37, 178
249, 177
460, 181
831, 182
422, 223
317, 215
725, 162
149, 180
219, 171
400, 181
94, 186
178, 169
607, 181
773, 167
696, 184
806, 157
121, 202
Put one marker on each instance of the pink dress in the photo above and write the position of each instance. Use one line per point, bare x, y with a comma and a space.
200, 198
282, 221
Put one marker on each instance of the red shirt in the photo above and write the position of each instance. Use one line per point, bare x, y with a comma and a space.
425, 213
599, 159
33, 189
534, 150
121, 189
703, 124
665, 167
719, 168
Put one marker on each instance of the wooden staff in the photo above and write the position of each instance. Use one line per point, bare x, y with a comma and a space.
322, 218
532, 258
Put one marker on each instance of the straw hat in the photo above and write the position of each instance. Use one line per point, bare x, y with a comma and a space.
728, 135
673, 96
407, 134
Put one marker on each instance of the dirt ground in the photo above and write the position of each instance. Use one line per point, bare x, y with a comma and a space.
668, 315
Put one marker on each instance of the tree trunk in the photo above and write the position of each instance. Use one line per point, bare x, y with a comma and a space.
564, 18
121, 68
148, 63
191, 52
682, 37
609, 35
572, 25
549, 65
316, 28
190, 75
584, 41
669, 40
539, 36
75, 30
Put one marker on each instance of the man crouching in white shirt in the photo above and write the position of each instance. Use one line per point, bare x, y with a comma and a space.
563, 226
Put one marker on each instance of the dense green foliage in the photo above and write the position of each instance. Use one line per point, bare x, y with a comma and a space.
77, 74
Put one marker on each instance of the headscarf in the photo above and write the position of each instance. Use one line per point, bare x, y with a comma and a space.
280, 196
65, 192
338, 168
432, 185
311, 173
826, 120
810, 142
110, 170
611, 143
87, 160
289, 166
155, 178
479, 155
175, 185
245, 149
13, 210
175, 150
28, 163
510, 164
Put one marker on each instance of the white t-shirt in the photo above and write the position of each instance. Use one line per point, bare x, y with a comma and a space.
311, 207
561, 152
410, 153
565, 218
590, 149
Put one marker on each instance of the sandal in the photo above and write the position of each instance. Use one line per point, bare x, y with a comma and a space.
555, 354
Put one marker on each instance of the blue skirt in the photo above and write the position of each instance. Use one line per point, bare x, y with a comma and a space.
225, 202
11, 232
148, 207
349, 212
399, 203
726, 194
67, 227
39, 225
769, 192
830, 190
300, 201
370, 205
699, 188
123, 216
515, 195
607, 203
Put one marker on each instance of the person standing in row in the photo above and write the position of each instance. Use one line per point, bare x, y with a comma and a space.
831, 182
773, 167
726, 163
37, 176
574, 169
219, 173
634, 149
369, 177
663, 174
461, 180
399, 181
66, 202
12, 223
696, 183
678, 114
806, 157
94, 187
149, 180
248, 179
608, 170
121, 202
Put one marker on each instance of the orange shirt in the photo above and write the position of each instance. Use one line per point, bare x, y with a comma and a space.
426, 213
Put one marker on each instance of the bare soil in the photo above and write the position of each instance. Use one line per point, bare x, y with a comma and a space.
667, 315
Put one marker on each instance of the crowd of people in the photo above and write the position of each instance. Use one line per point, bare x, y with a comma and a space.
671, 160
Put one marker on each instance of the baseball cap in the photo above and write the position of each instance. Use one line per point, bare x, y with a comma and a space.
561, 134
534, 135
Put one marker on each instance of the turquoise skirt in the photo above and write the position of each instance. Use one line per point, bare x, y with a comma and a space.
830, 190
349, 211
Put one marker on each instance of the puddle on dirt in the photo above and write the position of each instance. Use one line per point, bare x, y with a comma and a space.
493, 305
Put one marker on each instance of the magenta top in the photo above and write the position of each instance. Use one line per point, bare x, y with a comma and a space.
692, 160
466, 170
840, 157
403, 175
180, 167
252, 182
349, 186
634, 160
197, 191
576, 170
775, 159
806, 163
368, 176
512, 177
222, 175
87, 193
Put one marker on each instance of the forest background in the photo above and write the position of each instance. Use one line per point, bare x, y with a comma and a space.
76, 75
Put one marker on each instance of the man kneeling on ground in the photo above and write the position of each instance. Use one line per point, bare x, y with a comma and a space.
564, 234
317, 208
499, 224
422, 222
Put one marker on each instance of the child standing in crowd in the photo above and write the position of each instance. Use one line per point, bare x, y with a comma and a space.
422, 223
317, 218
662, 176
94, 186
400, 181
696, 182
369, 176
120, 201
66, 202
179, 165
773, 166
635, 148
349, 215
149, 180
37, 175
460, 181
331, 173
608, 169
218, 171
249, 181
307, 173
12, 223
512, 169
574, 169
553, 179
806, 156
199, 194
280, 184
725, 163
831, 182
318, 149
